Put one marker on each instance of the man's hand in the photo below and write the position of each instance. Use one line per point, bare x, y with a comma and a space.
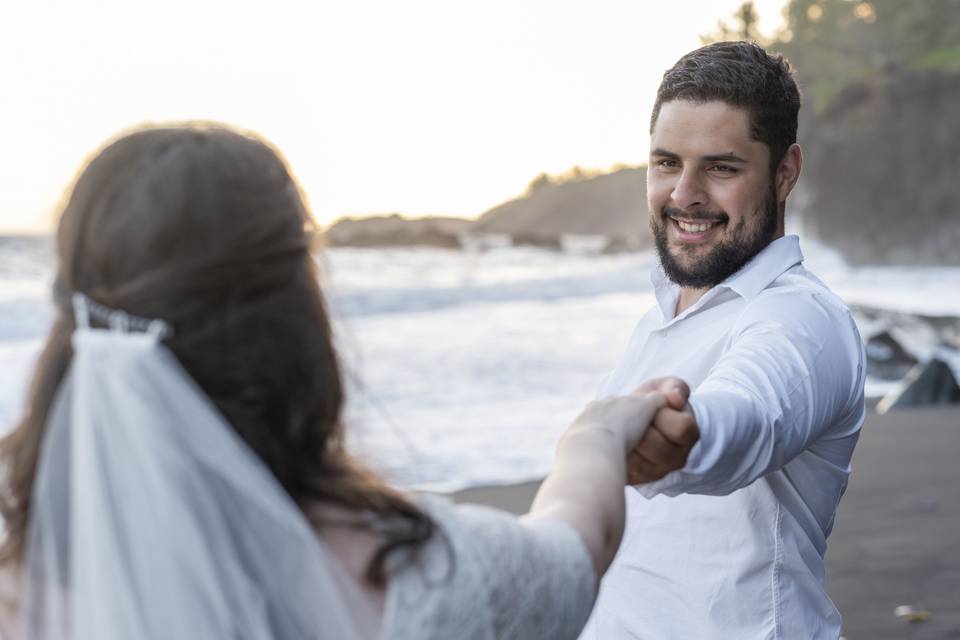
667, 443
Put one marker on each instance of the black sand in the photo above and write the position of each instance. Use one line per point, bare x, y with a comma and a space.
897, 535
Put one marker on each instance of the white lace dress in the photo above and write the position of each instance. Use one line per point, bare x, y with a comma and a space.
491, 576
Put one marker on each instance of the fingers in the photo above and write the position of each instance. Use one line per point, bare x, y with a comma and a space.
655, 401
641, 411
661, 452
664, 447
652, 384
677, 398
641, 470
678, 427
629, 416
635, 407
676, 390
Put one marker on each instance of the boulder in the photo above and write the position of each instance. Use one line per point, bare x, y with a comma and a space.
886, 358
927, 384
536, 239
396, 231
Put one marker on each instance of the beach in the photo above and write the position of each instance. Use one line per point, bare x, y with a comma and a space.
895, 540
450, 355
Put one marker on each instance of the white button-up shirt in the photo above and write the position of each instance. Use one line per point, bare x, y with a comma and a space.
732, 545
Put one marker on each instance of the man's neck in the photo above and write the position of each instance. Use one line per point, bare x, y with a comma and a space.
688, 298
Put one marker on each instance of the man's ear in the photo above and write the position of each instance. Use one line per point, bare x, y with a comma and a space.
789, 172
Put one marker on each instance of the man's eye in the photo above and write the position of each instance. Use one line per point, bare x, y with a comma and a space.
668, 164
723, 168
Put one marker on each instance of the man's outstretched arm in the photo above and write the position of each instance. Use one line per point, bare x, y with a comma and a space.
793, 374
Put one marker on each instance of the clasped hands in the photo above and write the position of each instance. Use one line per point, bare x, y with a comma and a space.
671, 435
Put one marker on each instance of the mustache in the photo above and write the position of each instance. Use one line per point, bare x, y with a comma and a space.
679, 214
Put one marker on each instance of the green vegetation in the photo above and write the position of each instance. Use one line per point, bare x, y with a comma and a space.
836, 43
743, 28
881, 84
945, 59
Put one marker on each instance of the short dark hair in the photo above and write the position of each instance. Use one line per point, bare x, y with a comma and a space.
741, 74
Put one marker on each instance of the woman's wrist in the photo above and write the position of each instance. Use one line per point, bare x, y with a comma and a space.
592, 436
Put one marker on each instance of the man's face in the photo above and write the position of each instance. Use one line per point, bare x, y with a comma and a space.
713, 205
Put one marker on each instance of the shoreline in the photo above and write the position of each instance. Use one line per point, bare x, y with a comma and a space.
515, 498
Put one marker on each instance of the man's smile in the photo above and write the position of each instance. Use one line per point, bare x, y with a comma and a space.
693, 230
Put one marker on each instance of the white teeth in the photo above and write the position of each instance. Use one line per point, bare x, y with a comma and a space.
694, 228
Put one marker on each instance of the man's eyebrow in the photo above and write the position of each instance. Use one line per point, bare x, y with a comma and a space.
721, 157
664, 154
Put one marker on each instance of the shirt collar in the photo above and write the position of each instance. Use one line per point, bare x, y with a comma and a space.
755, 276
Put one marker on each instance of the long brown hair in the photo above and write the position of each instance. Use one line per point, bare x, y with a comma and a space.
204, 227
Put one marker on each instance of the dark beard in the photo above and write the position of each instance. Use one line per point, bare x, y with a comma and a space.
725, 259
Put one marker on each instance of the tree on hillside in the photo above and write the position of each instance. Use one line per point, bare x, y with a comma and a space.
880, 79
574, 174
541, 181
744, 27
836, 43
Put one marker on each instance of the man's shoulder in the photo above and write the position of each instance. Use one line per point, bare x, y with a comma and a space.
798, 288
798, 299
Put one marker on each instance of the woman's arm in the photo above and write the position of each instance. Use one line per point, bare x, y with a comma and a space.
585, 487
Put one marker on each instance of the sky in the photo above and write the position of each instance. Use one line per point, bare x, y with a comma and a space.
423, 107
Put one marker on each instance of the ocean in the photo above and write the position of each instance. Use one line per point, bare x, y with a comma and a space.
464, 367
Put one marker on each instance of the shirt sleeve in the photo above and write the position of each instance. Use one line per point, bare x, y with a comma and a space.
793, 375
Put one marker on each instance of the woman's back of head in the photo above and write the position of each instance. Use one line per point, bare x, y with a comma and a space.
203, 227
175, 201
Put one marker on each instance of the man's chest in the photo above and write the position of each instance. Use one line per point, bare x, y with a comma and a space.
687, 349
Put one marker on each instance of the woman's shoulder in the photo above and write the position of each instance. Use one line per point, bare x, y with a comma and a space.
484, 572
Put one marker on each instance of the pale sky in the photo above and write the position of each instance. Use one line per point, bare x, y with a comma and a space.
424, 107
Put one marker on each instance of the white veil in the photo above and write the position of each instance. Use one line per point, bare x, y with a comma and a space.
151, 518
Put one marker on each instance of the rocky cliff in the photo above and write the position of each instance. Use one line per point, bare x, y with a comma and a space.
612, 204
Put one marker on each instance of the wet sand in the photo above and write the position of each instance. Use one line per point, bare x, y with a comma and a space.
897, 535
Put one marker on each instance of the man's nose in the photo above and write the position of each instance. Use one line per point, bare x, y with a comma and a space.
688, 192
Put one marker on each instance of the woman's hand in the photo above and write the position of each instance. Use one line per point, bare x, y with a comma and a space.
585, 488
625, 418
665, 446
